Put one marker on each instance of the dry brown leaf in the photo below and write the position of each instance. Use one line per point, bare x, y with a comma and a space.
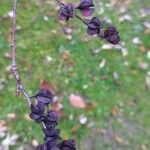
115, 111
90, 106
77, 101
101, 131
118, 82
132, 102
119, 139
147, 31
113, 2
65, 55
57, 107
48, 85
3, 126
148, 81
104, 77
143, 49
11, 116
127, 2
75, 129
143, 147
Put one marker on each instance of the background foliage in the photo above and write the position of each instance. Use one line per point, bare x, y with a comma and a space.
112, 80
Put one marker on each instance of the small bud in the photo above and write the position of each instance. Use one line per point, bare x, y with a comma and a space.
17, 93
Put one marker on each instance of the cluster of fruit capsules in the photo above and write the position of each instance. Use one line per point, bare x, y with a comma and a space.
94, 25
49, 119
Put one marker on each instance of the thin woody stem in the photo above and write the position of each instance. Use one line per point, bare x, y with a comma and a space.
101, 36
81, 19
14, 35
19, 84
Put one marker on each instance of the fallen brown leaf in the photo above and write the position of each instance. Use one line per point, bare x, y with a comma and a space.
48, 85
143, 49
11, 116
147, 31
57, 107
104, 77
77, 101
115, 111
65, 55
75, 129
90, 106
143, 147
119, 139
3, 126
148, 81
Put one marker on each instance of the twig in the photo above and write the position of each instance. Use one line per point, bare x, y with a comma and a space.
100, 36
19, 84
81, 19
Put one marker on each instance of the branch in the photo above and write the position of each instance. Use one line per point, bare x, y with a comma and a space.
15, 73
81, 19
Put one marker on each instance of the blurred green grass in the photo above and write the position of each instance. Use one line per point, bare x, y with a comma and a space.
38, 39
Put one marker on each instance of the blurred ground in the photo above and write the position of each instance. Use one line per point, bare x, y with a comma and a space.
112, 84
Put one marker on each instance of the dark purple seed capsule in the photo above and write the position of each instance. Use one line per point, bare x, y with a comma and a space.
111, 35
94, 26
44, 96
37, 112
52, 116
67, 145
86, 7
51, 120
51, 134
66, 11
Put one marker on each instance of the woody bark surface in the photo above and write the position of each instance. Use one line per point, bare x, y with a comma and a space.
19, 84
